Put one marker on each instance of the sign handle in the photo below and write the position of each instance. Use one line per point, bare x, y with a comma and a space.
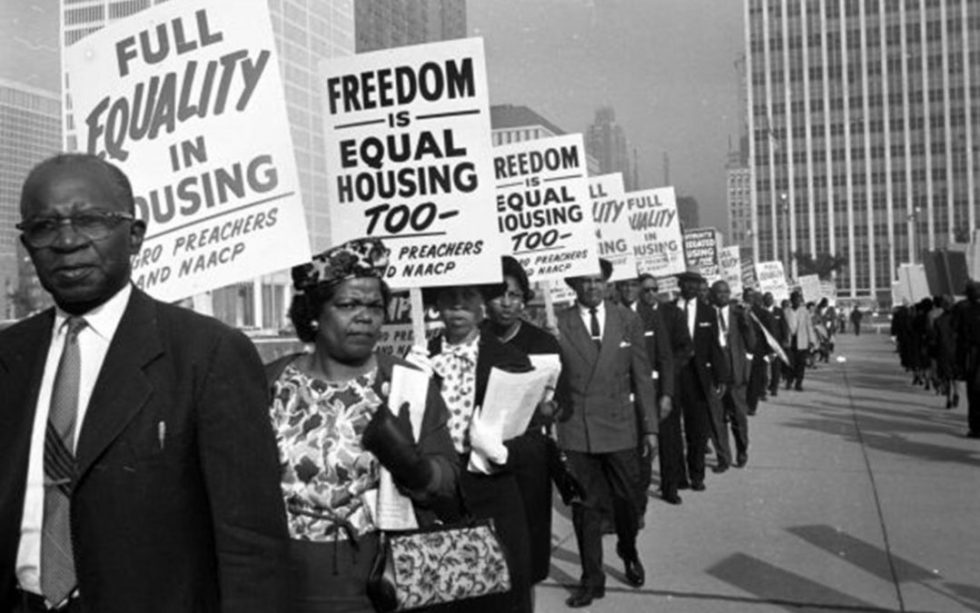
417, 311
549, 308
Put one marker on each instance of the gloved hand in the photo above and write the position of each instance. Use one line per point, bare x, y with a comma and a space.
418, 356
389, 438
486, 442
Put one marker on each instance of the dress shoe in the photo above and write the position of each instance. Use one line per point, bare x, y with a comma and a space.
723, 467
973, 434
684, 485
750, 413
635, 575
798, 387
742, 460
584, 596
697, 486
774, 392
671, 498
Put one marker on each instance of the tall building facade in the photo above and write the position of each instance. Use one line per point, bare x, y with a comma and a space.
864, 118
606, 141
306, 32
30, 130
738, 193
688, 212
511, 123
383, 24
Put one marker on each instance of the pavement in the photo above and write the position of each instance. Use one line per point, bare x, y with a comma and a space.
861, 494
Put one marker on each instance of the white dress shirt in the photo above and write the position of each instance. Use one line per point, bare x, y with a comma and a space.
600, 313
691, 310
724, 316
93, 343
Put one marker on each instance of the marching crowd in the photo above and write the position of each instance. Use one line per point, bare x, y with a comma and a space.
938, 342
152, 463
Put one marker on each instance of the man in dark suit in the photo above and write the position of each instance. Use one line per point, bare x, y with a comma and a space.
780, 332
738, 340
761, 319
702, 381
609, 403
673, 474
139, 470
662, 359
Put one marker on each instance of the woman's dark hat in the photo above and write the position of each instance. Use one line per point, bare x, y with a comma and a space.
364, 257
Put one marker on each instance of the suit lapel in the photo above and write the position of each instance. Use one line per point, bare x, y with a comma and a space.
579, 337
122, 388
612, 333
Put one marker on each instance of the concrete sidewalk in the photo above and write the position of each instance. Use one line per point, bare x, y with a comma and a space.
861, 494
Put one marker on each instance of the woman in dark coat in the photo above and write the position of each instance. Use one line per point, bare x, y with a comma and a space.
461, 357
506, 323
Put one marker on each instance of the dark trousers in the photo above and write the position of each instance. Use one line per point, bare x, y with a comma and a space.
973, 408
798, 365
719, 433
735, 413
757, 383
857, 328
697, 421
605, 476
775, 372
670, 445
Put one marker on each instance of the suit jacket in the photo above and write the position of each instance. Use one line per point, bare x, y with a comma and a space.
806, 335
658, 347
599, 415
780, 329
194, 524
766, 320
741, 345
709, 359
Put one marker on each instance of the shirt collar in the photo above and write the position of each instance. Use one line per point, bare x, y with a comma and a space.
600, 309
103, 319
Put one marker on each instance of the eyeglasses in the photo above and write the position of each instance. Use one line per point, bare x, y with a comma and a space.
40, 232
651, 290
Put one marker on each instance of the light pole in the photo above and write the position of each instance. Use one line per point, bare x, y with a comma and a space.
784, 208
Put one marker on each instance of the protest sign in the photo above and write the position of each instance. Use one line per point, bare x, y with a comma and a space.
543, 206
410, 160
668, 286
656, 231
701, 251
828, 290
397, 335
560, 292
810, 286
612, 227
772, 279
749, 279
186, 98
730, 268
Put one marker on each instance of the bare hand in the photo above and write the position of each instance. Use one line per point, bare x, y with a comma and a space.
666, 406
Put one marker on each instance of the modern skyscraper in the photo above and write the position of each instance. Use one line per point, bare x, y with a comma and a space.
738, 182
30, 130
306, 32
865, 124
383, 24
606, 141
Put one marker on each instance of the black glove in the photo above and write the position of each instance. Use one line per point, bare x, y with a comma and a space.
390, 440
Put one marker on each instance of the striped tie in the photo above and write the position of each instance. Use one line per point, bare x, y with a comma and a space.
57, 564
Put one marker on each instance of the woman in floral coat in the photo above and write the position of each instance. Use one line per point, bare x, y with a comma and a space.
335, 431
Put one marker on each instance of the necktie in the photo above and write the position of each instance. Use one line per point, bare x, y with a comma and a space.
722, 328
594, 327
57, 563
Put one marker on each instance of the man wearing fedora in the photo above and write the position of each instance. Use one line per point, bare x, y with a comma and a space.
702, 380
604, 369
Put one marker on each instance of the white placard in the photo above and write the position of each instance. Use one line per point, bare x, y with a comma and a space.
811, 288
410, 160
701, 250
656, 231
543, 206
730, 268
612, 227
772, 279
186, 98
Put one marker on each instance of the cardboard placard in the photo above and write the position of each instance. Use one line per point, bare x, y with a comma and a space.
730, 268
612, 227
186, 97
410, 160
701, 250
772, 279
543, 207
656, 231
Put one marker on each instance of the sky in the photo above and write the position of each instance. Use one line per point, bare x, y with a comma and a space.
667, 67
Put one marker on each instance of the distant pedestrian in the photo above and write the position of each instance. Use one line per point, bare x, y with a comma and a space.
802, 338
856, 316
968, 354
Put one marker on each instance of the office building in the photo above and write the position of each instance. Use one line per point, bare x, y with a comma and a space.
606, 141
510, 123
306, 32
688, 213
30, 130
738, 192
865, 124
383, 24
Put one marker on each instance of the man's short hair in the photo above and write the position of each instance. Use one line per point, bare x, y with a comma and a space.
115, 178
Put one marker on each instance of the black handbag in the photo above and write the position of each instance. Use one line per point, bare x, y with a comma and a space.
437, 565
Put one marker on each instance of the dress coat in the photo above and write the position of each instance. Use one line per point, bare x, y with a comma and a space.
596, 383
709, 360
742, 341
193, 523
658, 345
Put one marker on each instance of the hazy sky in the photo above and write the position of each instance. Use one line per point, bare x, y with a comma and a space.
666, 66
